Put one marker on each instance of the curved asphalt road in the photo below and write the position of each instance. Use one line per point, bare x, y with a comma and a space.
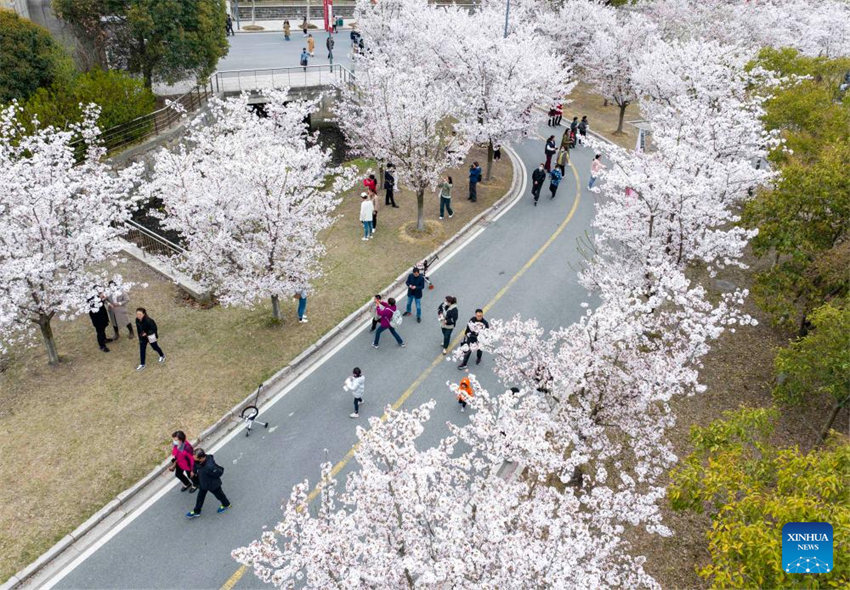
521, 263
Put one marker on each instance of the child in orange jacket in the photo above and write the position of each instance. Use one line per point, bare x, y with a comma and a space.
464, 392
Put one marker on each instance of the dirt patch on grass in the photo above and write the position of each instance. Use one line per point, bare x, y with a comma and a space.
603, 119
738, 371
75, 435
433, 230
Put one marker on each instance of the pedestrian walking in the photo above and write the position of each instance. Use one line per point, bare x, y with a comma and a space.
550, 122
554, 180
329, 43
376, 318
356, 384
415, 284
228, 26
304, 25
286, 30
559, 113
464, 392
301, 296
305, 58
497, 152
366, 215
311, 45
447, 314
582, 128
389, 185
474, 179
445, 190
183, 461
470, 338
537, 178
99, 317
148, 334
574, 126
209, 475
117, 301
390, 319
565, 140
373, 196
561, 160
549, 150
596, 168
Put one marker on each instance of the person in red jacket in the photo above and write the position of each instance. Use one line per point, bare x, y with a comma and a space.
385, 310
183, 461
371, 184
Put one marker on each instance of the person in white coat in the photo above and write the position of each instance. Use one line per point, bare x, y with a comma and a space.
366, 210
356, 384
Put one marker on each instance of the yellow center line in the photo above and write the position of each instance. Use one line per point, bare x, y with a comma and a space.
231, 582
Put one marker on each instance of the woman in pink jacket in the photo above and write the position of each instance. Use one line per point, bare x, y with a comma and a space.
183, 461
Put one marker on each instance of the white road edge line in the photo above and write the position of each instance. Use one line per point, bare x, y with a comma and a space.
123, 523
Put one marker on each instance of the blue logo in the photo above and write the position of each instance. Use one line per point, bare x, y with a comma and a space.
807, 548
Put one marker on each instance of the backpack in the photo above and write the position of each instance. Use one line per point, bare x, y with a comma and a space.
396, 320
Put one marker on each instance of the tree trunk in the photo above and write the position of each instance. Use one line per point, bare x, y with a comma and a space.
148, 74
420, 209
828, 426
47, 336
619, 130
490, 152
276, 307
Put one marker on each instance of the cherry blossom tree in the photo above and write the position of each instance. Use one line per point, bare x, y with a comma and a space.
249, 195
62, 212
607, 58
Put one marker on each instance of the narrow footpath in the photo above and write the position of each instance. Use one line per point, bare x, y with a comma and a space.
524, 262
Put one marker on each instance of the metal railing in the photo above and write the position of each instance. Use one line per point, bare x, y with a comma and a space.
236, 81
150, 242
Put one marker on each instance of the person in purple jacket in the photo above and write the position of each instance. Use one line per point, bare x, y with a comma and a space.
385, 311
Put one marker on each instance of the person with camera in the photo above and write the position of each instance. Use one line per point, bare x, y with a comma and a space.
447, 314
470, 338
209, 475
415, 284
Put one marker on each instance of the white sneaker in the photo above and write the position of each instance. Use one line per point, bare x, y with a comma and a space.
441, 217
374, 230
354, 415
304, 320
162, 359
140, 367
363, 239
451, 215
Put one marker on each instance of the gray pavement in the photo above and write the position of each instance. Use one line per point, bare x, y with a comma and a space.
159, 548
270, 50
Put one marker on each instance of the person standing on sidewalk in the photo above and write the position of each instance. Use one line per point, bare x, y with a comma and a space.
209, 475
148, 334
474, 178
390, 318
373, 196
447, 314
356, 384
549, 150
389, 185
470, 339
445, 190
554, 180
99, 317
415, 283
286, 30
537, 178
301, 296
596, 168
366, 211
183, 461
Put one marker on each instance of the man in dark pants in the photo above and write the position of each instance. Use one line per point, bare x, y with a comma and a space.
389, 185
100, 320
537, 178
470, 338
209, 480
415, 283
474, 179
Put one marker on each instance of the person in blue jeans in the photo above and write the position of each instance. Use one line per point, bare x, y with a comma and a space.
302, 305
415, 283
385, 311
554, 180
445, 190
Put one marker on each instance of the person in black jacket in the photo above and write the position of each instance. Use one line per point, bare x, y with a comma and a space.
415, 283
100, 319
148, 334
209, 480
470, 338
389, 185
537, 179
447, 314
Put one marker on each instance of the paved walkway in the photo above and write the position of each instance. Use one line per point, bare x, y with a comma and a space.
522, 262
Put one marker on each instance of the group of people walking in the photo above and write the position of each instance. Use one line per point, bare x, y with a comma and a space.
198, 472
110, 309
575, 135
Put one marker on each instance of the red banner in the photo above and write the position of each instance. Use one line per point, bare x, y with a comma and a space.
329, 15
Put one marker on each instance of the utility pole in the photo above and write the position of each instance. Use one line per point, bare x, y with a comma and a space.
507, 15
236, 2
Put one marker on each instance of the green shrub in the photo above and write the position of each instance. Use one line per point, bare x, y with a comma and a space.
29, 58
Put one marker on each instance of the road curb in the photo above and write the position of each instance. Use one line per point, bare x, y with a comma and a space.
226, 423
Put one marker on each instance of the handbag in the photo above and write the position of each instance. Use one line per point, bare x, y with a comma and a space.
151, 338
217, 471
